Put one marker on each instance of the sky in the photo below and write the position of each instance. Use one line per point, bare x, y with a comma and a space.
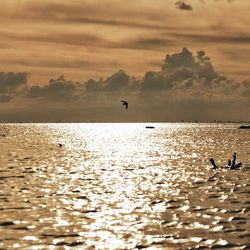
171, 60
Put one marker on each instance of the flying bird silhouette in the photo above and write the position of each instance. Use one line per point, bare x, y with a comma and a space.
125, 104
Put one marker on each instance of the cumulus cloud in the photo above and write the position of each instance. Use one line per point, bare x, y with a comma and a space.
181, 70
186, 87
59, 90
183, 6
116, 82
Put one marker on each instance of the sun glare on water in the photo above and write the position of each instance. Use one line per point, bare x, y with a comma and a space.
122, 186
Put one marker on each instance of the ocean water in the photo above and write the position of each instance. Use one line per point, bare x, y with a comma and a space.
122, 186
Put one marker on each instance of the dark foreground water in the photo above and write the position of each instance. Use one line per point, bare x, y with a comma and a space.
121, 186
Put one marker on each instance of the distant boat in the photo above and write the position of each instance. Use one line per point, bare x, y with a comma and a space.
244, 127
152, 127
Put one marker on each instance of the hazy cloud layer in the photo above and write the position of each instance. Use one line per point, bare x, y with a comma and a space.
186, 87
5, 98
236, 38
10, 83
86, 38
182, 5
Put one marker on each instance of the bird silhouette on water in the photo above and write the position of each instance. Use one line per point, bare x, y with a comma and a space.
125, 103
212, 161
231, 164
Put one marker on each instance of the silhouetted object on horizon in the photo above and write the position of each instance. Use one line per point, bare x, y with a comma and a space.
244, 127
213, 163
151, 127
125, 104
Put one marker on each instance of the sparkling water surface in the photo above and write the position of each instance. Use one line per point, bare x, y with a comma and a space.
122, 186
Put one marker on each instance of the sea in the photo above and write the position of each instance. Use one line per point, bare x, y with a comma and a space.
123, 186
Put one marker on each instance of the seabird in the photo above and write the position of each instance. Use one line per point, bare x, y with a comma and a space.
125, 104
231, 164
236, 166
213, 163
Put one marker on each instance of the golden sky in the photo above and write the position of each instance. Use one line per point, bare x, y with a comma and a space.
83, 39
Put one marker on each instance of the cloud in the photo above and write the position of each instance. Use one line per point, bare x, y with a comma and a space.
57, 90
78, 39
221, 38
186, 87
180, 70
229, 1
63, 63
183, 6
147, 43
116, 82
10, 81
245, 89
5, 98
83, 39
61, 35
10, 84
88, 12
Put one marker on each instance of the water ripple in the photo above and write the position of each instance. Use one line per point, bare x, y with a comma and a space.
119, 186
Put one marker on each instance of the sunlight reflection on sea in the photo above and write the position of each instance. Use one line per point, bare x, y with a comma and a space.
122, 186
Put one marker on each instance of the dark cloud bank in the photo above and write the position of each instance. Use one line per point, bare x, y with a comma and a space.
182, 5
185, 88
10, 82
